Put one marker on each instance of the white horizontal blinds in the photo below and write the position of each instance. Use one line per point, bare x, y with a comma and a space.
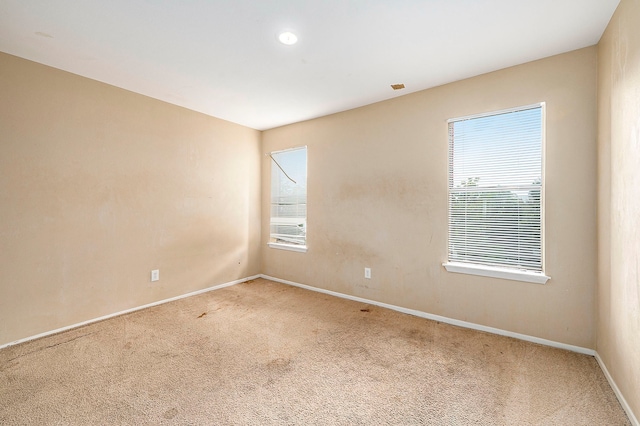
289, 197
495, 182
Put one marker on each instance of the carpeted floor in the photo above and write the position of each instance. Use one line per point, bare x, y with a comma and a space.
267, 353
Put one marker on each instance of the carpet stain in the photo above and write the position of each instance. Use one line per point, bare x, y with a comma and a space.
53, 345
278, 363
127, 345
202, 314
365, 310
169, 414
9, 365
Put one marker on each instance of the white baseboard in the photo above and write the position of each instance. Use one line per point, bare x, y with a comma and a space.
625, 406
149, 305
578, 349
421, 314
446, 320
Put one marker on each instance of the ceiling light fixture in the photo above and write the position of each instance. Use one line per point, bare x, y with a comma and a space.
288, 38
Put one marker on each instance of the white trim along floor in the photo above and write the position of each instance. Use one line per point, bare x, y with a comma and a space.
465, 324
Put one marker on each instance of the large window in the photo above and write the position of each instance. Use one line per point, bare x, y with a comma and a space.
495, 194
288, 227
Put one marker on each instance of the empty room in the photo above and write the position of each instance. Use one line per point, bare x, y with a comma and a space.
320, 212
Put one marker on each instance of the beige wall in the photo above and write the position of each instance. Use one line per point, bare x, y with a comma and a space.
618, 342
99, 185
377, 197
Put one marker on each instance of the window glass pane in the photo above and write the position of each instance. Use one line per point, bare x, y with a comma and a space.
289, 197
495, 182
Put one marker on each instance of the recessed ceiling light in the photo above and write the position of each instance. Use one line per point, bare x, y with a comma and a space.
288, 38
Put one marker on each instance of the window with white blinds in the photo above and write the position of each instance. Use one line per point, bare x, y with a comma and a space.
495, 189
288, 225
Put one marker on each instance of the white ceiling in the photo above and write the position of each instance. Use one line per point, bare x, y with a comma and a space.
222, 58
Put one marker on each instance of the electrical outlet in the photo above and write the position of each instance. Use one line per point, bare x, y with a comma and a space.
155, 275
367, 273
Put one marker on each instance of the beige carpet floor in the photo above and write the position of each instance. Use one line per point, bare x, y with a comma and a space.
267, 353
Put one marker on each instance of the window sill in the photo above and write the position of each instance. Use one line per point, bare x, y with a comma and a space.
290, 247
495, 272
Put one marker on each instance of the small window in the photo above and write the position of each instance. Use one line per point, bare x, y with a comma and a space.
495, 193
288, 226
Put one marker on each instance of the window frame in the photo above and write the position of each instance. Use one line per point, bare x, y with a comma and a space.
301, 248
493, 271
